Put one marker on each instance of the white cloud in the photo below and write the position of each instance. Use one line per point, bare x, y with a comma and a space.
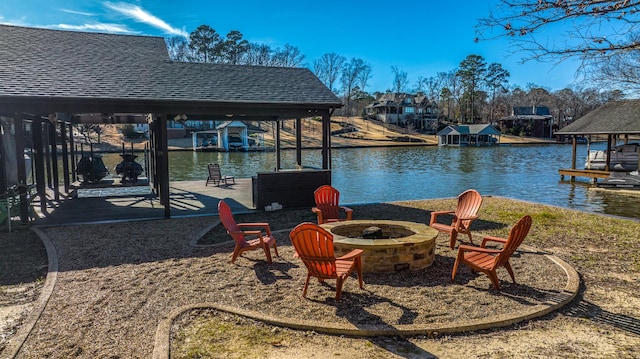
138, 14
75, 12
108, 28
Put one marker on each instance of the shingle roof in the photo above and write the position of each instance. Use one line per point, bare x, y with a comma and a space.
481, 129
52, 64
620, 117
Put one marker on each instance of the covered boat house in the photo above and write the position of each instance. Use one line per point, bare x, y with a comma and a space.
616, 121
468, 135
48, 78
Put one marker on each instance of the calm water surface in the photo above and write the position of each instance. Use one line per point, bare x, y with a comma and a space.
368, 175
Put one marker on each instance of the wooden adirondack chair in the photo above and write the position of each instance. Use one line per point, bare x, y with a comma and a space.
487, 260
314, 246
216, 177
327, 205
469, 203
240, 231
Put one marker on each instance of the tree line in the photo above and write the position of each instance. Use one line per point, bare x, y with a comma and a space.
474, 91
206, 45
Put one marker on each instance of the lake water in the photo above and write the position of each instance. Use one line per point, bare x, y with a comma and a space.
369, 175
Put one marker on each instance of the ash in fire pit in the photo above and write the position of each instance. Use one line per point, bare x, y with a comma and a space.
372, 232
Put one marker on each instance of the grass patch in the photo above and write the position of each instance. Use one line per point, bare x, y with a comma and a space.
220, 335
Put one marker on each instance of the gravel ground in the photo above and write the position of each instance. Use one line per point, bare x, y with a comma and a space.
116, 282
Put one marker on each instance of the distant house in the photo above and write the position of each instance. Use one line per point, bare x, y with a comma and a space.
405, 110
531, 121
468, 135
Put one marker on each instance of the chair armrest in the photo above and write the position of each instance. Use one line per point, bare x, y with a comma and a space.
318, 212
348, 211
468, 248
435, 214
351, 255
265, 226
492, 239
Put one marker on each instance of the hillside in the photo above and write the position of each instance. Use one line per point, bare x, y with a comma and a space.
347, 132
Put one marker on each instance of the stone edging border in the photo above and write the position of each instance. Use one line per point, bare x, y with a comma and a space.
15, 344
161, 349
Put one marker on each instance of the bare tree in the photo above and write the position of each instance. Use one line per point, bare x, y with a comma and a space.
289, 56
598, 27
400, 83
327, 68
178, 48
258, 55
496, 81
603, 34
351, 75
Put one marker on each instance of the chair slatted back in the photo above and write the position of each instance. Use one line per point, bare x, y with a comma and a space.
469, 203
226, 217
314, 246
516, 235
327, 200
214, 171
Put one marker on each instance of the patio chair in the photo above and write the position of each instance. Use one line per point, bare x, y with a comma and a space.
216, 177
240, 231
466, 211
327, 206
487, 260
314, 246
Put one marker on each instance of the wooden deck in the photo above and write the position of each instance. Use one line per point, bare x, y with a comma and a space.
114, 204
593, 174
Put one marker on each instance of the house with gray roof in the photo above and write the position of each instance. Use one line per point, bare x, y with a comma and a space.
535, 121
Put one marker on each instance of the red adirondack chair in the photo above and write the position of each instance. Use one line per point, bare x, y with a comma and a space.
469, 203
327, 206
314, 246
487, 260
240, 231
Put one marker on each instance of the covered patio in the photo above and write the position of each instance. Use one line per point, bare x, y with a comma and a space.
50, 78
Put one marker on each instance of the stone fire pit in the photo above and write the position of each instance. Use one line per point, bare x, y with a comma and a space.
389, 246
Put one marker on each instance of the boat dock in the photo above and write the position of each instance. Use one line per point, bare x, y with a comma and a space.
594, 175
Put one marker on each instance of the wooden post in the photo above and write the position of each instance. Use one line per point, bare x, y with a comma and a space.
54, 156
22, 169
278, 164
65, 155
299, 142
607, 166
38, 160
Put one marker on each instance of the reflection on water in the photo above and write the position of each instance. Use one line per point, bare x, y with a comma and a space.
367, 175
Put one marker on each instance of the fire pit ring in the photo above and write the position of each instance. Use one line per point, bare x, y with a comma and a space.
401, 246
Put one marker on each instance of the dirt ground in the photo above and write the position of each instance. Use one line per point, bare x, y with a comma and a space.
115, 283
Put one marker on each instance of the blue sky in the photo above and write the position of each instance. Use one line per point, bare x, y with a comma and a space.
420, 37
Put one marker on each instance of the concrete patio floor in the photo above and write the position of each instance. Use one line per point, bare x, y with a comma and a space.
187, 198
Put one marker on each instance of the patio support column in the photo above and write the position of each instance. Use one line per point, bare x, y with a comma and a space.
607, 166
299, 142
46, 145
54, 156
326, 141
21, 166
278, 164
38, 160
65, 154
74, 175
162, 157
